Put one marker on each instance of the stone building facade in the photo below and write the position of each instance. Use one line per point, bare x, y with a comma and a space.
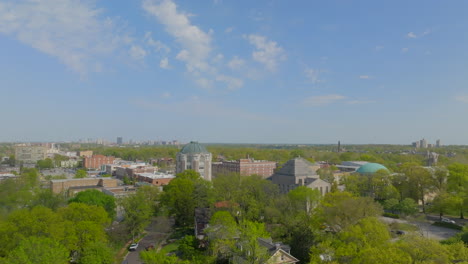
299, 172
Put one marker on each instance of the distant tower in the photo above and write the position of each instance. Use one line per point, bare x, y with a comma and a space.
438, 145
119, 140
339, 146
423, 143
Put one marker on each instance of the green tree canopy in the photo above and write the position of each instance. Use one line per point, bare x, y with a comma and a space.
95, 197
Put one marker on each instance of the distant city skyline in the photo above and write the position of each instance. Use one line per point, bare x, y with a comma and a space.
308, 72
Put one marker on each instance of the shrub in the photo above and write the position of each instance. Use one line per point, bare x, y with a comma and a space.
391, 215
448, 225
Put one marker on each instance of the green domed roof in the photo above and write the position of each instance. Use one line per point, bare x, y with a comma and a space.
193, 147
370, 168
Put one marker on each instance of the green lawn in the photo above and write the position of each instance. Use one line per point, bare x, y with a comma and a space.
170, 247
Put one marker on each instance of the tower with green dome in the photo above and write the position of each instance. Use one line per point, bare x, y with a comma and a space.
194, 156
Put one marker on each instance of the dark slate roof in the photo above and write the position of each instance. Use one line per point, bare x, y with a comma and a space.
193, 147
297, 167
272, 246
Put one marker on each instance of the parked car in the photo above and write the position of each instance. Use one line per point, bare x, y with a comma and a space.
133, 247
446, 220
400, 232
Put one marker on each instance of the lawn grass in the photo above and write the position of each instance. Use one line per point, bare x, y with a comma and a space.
170, 247
403, 226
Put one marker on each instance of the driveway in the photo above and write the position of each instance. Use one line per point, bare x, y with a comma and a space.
156, 232
426, 228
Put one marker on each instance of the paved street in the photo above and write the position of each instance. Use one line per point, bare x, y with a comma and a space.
426, 228
159, 229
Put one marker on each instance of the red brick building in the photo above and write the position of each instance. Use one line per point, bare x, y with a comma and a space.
245, 167
95, 161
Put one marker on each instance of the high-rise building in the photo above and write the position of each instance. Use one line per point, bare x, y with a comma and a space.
119, 140
194, 156
423, 143
30, 154
438, 145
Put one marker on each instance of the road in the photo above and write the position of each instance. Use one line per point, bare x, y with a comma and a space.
426, 228
156, 232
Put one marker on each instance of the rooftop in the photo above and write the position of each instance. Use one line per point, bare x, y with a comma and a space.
371, 168
297, 167
193, 147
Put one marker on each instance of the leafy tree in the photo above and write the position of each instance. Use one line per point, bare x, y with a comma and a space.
391, 204
341, 209
304, 199
38, 250
96, 253
83, 224
184, 193
95, 197
137, 212
355, 243
423, 250
251, 250
46, 198
458, 186
419, 181
45, 164
221, 233
153, 257
189, 250
408, 206
441, 204
252, 193
81, 174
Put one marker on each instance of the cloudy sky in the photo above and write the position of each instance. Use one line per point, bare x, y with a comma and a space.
277, 71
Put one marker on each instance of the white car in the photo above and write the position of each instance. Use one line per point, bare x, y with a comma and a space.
446, 220
133, 247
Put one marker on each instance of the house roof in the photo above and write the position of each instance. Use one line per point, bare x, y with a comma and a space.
297, 167
274, 247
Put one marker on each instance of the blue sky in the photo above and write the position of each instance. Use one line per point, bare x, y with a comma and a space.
234, 71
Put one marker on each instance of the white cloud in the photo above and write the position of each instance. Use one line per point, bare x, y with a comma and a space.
231, 82
164, 63
156, 44
415, 36
196, 50
236, 63
75, 32
358, 102
462, 98
322, 100
404, 50
137, 52
365, 77
204, 83
411, 35
379, 48
195, 42
229, 30
313, 75
268, 52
